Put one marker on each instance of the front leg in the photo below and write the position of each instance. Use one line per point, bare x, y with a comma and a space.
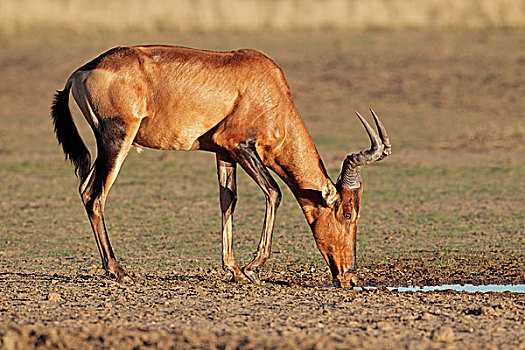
226, 171
251, 162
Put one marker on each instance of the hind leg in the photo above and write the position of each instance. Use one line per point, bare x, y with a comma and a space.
114, 141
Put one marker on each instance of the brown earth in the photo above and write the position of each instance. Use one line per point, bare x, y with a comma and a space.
447, 206
200, 311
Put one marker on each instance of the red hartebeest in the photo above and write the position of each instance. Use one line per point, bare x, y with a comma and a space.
236, 104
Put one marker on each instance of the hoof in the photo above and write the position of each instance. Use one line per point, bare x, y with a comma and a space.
252, 275
127, 280
116, 272
241, 279
237, 275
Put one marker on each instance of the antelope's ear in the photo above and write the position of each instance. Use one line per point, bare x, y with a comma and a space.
330, 194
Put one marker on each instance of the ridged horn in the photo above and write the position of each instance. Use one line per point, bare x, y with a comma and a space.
380, 148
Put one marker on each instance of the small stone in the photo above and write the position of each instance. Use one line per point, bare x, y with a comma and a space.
385, 326
54, 297
10, 340
427, 316
487, 310
443, 334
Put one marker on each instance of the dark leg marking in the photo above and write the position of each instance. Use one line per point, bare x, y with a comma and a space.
113, 144
248, 158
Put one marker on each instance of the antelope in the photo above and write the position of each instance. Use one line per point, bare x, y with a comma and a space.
236, 104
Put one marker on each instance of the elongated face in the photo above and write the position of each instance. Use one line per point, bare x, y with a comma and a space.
335, 233
335, 229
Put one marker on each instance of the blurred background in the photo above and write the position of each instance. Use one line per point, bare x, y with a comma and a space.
152, 15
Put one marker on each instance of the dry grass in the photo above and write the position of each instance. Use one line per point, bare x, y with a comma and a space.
212, 15
487, 137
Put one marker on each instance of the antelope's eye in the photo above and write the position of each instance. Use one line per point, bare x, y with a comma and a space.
347, 216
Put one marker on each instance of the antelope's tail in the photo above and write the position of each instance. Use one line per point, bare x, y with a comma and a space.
67, 134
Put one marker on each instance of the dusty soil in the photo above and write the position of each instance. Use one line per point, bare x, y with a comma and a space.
201, 311
447, 206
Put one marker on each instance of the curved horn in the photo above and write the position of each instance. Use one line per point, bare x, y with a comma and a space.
374, 152
379, 149
384, 137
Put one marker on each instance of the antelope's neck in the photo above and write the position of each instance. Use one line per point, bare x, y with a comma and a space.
301, 168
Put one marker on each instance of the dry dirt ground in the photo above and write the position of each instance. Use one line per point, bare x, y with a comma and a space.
447, 206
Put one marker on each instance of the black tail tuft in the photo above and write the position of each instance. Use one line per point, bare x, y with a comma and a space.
67, 134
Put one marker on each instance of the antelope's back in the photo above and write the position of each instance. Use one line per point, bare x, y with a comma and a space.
181, 93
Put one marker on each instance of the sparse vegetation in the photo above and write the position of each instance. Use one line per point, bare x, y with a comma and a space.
437, 210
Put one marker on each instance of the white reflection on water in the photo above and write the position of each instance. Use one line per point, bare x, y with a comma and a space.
469, 288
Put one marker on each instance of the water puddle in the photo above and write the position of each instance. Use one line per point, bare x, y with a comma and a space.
469, 288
